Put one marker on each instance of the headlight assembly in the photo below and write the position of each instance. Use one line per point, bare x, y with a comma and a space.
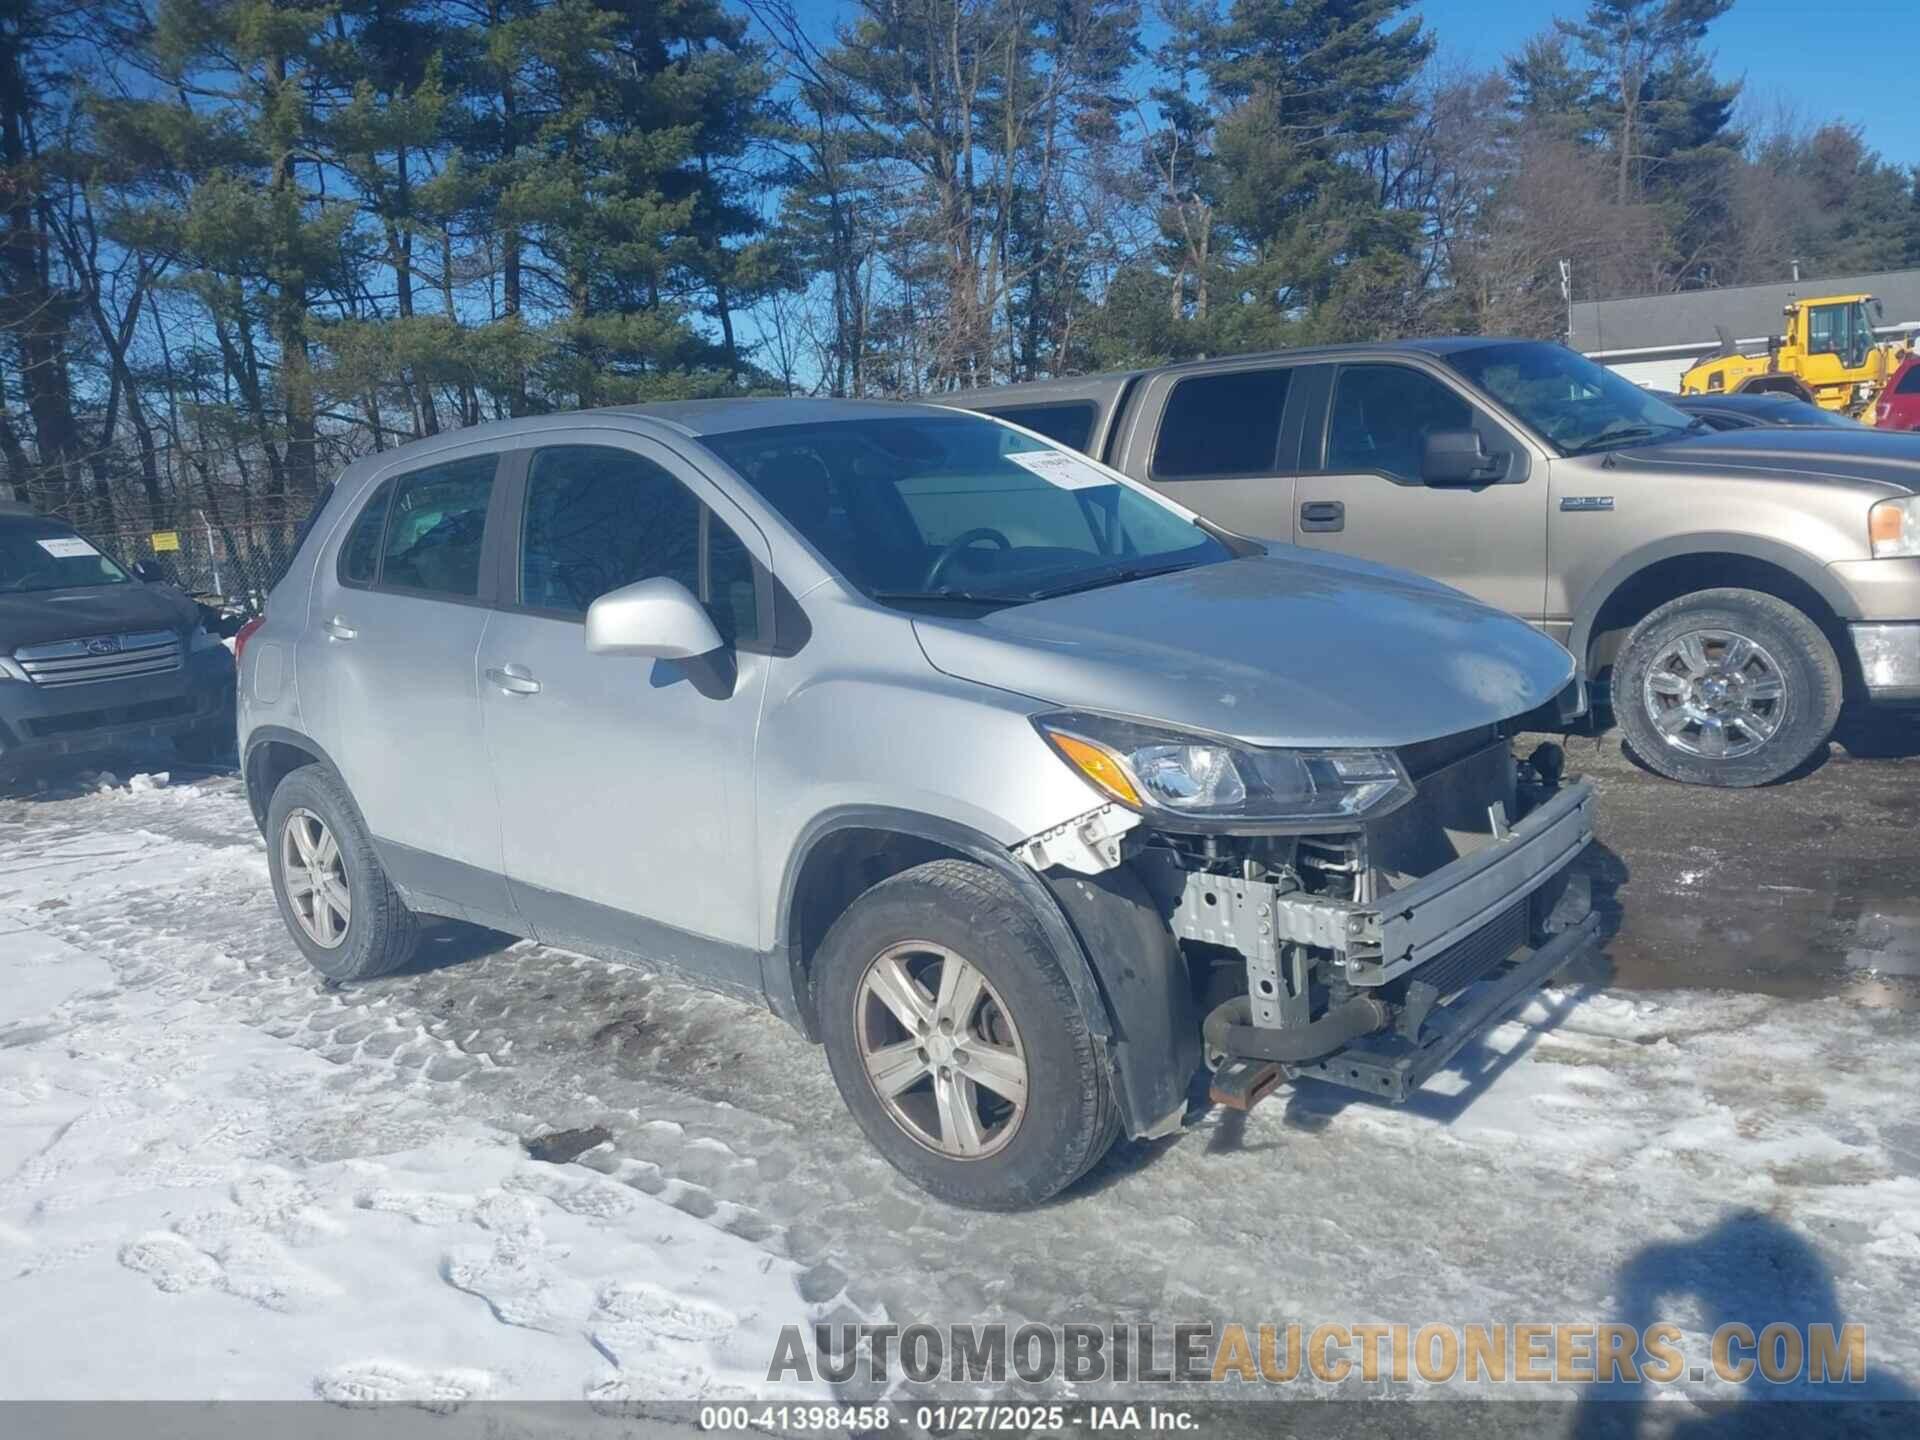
1893, 527
1209, 780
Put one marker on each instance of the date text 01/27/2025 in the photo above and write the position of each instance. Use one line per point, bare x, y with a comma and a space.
978, 1418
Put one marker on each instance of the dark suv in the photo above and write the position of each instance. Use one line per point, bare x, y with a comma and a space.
91, 657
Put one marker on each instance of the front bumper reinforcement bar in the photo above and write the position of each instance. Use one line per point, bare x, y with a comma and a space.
1392, 1064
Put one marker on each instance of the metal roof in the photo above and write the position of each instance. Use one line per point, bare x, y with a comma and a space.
716, 417
1750, 312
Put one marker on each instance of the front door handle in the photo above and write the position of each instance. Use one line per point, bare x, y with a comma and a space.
515, 680
339, 629
1323, 515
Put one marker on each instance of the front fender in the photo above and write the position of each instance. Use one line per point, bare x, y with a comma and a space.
1798, 563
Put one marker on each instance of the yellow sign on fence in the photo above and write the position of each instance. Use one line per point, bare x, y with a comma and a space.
166, 540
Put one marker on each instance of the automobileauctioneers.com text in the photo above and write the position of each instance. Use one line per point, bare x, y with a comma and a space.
1201, 1353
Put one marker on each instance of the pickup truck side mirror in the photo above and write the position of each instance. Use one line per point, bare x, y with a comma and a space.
657, 618
1459, 457
149, 571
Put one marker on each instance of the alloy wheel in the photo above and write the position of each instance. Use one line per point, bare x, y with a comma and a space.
316, 878
1716, 694
941, 1051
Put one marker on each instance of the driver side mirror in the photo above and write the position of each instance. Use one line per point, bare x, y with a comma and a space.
149, 570
658, 618
1459, 457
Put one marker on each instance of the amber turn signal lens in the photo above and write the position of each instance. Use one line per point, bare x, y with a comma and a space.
1099, 766
1886, 523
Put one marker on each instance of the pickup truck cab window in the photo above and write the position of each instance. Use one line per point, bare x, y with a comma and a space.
1382, 415
1070, 422
1222, 424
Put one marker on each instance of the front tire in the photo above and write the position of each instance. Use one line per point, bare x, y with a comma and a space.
1727, 687
957, 1041
337, 902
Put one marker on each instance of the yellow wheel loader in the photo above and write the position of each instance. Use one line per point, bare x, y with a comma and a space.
1828, 355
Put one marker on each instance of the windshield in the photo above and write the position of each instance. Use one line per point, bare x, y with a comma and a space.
1578, 405
958, 509
44, 555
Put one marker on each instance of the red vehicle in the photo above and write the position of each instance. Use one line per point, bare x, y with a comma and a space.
1899, 407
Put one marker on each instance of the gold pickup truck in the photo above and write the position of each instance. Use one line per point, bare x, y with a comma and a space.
1722, 593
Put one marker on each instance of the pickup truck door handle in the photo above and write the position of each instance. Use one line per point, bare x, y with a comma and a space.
1323, 515
339, 629
515, 680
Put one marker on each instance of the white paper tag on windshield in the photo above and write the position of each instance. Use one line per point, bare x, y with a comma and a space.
1057, 467
67, 547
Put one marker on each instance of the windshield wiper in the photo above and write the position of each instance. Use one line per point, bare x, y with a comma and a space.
1618, 438
1110, 577
945, 592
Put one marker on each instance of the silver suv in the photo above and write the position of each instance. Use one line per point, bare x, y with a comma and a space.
1019, 786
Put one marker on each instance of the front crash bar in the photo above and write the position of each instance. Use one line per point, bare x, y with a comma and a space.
1381, 941
1390, 1065
1418, 921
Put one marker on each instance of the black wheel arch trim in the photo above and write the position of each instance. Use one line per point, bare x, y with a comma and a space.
1802, 566
280, 734
1123, 988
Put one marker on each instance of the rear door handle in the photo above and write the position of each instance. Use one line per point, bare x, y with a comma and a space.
339, 629
515, 680
1323, 515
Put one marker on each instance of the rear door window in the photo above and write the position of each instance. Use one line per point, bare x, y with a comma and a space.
1909, 382
1223, 424
1070, 422
436, 528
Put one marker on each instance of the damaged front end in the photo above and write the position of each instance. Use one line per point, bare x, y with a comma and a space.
1368, 955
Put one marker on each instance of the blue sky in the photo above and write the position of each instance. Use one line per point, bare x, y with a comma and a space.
1858, 62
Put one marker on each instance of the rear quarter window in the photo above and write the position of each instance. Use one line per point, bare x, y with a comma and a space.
360, 555
1909, 382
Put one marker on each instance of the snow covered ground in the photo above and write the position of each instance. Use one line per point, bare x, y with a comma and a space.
236, 1183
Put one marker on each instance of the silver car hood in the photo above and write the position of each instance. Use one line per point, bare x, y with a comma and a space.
1291, 648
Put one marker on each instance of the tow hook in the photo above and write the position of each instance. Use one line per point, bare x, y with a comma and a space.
1257, 1057
1241, 1084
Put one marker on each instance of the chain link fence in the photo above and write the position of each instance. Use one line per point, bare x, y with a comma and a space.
228, 566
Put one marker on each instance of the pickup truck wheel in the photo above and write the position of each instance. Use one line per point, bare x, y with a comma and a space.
337, 902
1726, 687
957, 1042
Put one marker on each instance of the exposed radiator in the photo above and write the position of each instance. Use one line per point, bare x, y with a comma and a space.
1465, 961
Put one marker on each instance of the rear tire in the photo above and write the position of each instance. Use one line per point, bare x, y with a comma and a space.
352, 924
1726, 687
947, 1121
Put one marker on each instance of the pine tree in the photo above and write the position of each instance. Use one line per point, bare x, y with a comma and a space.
1632, 46
1316, 89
